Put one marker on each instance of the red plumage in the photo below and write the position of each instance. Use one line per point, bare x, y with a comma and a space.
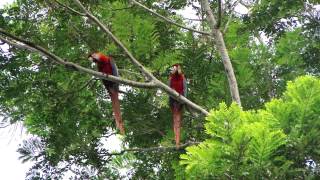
106, 65
177, 81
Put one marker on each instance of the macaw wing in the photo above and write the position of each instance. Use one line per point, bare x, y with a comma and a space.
114, 68
185, 88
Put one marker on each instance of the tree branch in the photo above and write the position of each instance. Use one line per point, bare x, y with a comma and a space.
4, 126
219, 42
17, 45
142, 69
153, 84
153, 149
29, 45
167, 19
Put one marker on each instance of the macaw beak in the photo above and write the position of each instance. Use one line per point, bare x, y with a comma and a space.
90, 58
173, 69
179, 70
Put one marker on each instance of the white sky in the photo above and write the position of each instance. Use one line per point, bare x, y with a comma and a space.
3, 2
10, 166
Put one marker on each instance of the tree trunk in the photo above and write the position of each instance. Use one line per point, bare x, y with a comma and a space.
219, 42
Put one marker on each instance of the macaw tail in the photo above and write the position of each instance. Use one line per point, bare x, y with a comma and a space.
177, 116
116, 109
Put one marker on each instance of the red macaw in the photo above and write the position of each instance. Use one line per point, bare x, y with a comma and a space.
106, 65
178, 82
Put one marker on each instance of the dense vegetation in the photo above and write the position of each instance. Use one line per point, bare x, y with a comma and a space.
275, 53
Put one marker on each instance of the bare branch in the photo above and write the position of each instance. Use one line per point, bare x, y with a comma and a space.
142, 69
109, 135
153, 149
4, 126
167, 19
220, 44
245, 5
115, 39
17, 45
57, 59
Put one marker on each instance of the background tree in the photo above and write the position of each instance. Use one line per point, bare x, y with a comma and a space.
70, 113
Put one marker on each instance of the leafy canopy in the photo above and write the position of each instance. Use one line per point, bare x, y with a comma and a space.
266, 143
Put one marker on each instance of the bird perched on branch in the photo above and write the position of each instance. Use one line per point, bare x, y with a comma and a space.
106, 65
177, 81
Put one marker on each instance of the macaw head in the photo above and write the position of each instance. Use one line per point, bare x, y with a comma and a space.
94, 57
176, 69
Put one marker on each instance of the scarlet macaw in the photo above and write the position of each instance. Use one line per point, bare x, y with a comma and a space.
177, 81
106, 65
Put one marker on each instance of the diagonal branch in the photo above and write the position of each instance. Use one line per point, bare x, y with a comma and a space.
4, 126
29, 46
167, 19
142, 69
17, 45
24, 44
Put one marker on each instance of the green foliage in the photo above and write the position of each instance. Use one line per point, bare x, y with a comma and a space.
299, 116
289, 55
241, 145
71, 114
266, 15
273, 143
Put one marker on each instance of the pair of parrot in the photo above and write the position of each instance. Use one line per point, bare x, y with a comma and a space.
177, 81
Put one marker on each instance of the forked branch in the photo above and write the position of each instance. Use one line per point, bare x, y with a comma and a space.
154, 83
142, 69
